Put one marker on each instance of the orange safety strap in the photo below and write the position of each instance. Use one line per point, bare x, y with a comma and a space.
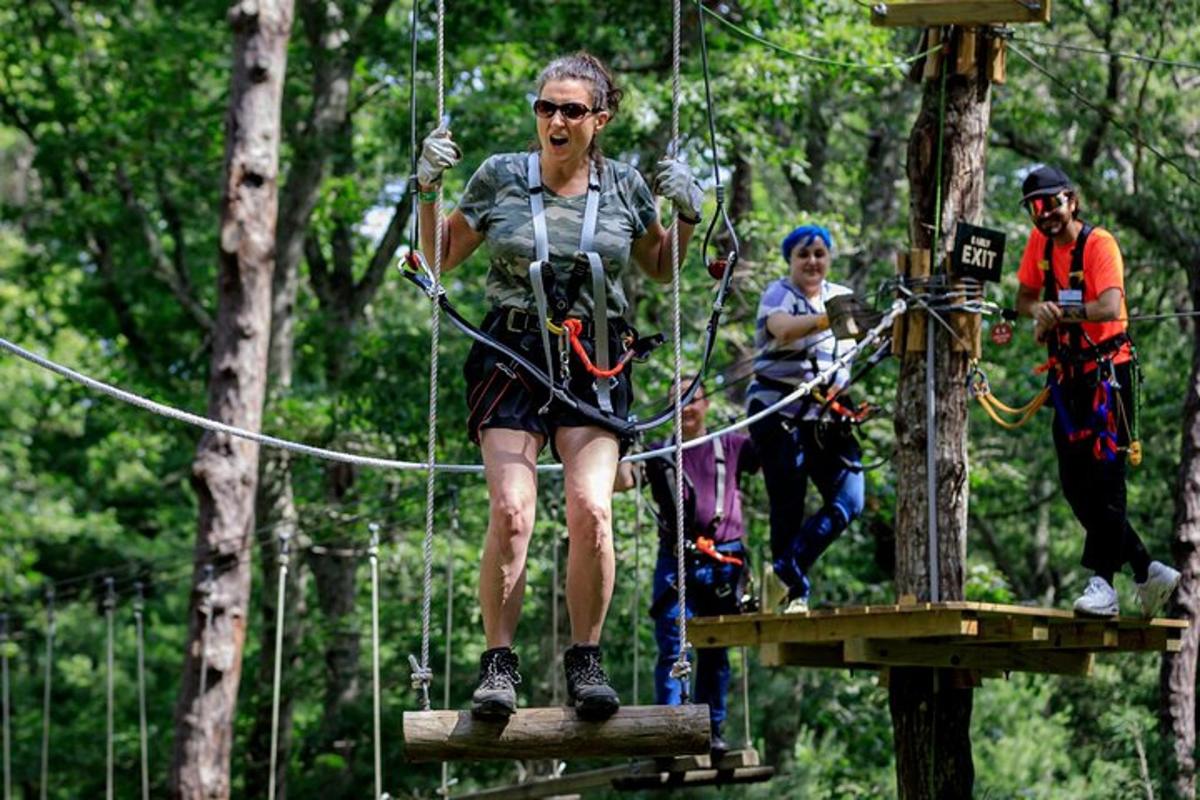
709, 548
574, 329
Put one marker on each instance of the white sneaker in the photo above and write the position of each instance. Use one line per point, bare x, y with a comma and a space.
797, 605
1161, 581
1099, 599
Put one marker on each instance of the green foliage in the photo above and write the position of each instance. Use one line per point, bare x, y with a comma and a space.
111, 143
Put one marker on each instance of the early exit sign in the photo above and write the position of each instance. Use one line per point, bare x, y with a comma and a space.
978, 252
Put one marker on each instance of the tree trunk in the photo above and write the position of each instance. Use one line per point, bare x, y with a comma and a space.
225, 472
1177, 710
332, 71
931, 714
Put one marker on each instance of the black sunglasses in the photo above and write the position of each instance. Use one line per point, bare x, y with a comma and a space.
546, 109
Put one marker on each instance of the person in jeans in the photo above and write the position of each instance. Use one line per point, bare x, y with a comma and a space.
805, 440
715, 557
1072, 281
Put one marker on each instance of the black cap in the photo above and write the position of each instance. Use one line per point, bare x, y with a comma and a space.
1045, 180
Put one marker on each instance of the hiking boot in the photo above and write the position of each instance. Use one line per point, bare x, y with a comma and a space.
1160, 583
1099, 599
587, 683
717, 746
496, 696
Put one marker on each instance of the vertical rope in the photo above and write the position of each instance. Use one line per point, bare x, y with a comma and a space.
555, 601
746, 697
639, 511
206, 608
935, 589
681, 668
277, 674
373, 556
415, 236
143, 731
422, 675
44, 778
446, 670
110, 604
5, 709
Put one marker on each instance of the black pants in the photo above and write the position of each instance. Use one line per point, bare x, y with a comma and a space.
1095, 488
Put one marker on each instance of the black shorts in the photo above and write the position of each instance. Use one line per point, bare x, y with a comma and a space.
501, 394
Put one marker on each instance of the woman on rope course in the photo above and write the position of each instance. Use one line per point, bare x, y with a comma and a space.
1077, 270
810, 438
561, 224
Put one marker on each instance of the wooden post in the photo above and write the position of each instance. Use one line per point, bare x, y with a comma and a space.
918, 267
557, 732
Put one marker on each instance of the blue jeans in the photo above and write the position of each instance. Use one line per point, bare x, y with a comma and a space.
791, 454
712, 589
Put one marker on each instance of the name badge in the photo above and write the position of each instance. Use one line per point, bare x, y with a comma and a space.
1070, 297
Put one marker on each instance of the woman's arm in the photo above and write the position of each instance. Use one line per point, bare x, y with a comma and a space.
459, 239
787, 328
652, 251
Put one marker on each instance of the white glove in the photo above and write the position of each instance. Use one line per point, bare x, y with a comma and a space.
438, 154
674, 181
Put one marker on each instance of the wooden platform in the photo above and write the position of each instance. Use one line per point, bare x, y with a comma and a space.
546, 733
985, 637
736, 766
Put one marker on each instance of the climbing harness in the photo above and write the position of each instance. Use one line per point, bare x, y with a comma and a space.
1070, 357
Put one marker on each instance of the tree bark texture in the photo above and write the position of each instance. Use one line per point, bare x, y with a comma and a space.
333, 65
1178, 674
930, 715
225, 471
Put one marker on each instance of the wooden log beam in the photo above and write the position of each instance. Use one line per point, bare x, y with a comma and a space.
695, 778
544, 733
1005, 659
932, 13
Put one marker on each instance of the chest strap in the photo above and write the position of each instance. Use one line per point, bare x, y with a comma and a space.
1075, 282
540, 269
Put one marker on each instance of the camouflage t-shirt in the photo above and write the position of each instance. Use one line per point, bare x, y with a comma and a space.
496, 204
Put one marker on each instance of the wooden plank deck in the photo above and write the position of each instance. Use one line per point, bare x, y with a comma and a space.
654, 772
988, 638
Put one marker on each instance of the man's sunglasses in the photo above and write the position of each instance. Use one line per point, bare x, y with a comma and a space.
546, 109
1045, 203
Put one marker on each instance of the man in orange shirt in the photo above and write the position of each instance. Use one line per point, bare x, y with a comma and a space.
1073, 285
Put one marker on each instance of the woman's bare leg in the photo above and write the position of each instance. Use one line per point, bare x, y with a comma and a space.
589, 458
509, 460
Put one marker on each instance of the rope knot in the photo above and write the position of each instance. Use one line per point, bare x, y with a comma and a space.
421, 676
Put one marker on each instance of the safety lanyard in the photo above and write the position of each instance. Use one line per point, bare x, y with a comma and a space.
541, 245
